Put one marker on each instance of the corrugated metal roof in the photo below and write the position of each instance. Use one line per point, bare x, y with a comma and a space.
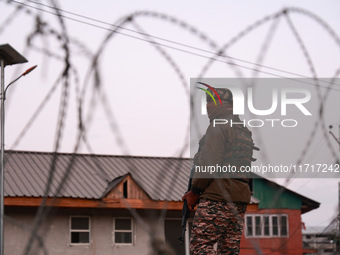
34, 174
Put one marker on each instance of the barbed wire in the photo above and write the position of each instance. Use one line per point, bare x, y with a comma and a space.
44, 30
219, 57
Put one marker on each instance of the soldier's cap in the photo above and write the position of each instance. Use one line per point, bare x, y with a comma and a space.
223, 93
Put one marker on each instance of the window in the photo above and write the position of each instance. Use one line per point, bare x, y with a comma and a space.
266, 225
284, 227
275, 226
125, 189
80, 229
249, 226
123, 231
258, 226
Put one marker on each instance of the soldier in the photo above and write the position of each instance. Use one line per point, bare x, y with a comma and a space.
222, 199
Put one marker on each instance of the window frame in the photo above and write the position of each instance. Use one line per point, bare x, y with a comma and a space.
255, 229
132, 231
277, 226
266, 225
286, 225
80, 230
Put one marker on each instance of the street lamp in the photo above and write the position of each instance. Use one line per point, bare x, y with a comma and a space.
8, 56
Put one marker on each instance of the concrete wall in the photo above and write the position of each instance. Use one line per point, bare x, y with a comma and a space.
55, 232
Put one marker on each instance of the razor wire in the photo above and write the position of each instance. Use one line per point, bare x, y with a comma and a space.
99, 96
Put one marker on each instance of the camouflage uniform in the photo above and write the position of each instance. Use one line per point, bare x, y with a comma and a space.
223, 199
219, 222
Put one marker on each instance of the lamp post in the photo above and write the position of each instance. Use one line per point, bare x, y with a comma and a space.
337, 242
8, 56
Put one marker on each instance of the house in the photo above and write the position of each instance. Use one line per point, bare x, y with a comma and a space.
60, 203
321, 240
273, 225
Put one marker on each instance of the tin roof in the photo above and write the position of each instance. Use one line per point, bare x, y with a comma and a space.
88, 176
322, 231
34, 174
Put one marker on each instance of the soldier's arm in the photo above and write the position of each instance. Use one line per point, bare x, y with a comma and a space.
212, 154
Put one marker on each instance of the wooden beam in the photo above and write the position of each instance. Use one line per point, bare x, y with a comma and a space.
91, 203
104, 203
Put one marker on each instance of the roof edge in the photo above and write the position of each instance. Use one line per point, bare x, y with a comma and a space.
94, 155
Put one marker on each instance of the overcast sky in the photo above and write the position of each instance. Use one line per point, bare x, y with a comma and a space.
147, 97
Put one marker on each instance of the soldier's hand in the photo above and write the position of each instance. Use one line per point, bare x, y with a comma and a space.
192, 199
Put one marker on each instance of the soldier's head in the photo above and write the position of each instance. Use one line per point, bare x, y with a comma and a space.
225, 95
